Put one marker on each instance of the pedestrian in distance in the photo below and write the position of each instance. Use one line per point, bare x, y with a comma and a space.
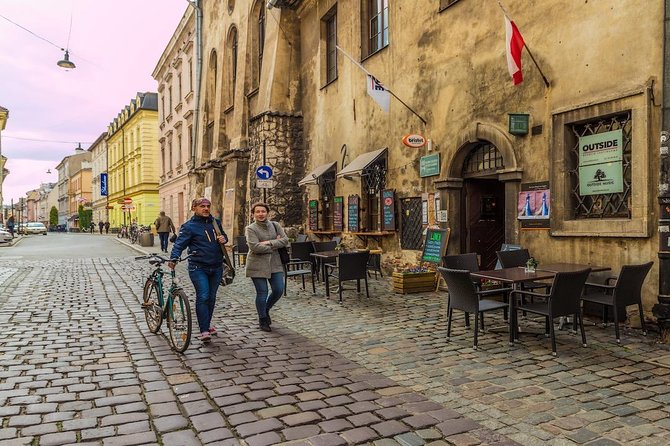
164, 226
205, 269
92, 227
106, 227
101, 225
10, 225
264, 265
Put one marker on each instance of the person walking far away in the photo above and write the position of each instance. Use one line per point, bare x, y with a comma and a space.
10, 225
164, 226
264, 238
101, 225
106, 227
205, 268
92, 226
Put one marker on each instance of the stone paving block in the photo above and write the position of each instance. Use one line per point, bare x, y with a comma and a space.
57, 439
170, 423
359, 435
215, 435
336, 425
130, 440
301, 418
327, 440
208, 421
266, 439
300, 432
457, 426
181, 438
258, 427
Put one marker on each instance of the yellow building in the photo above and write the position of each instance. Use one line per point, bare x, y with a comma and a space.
133, 162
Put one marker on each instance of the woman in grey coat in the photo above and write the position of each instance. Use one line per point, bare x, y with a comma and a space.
264, 238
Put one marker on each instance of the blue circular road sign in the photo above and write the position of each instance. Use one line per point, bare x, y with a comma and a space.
264, 172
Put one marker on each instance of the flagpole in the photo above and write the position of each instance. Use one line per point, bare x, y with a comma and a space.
544, 78
390, 92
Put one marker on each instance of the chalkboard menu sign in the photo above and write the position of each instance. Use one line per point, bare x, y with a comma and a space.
435, 245
313, 215
353, 206
338, 213
388, 210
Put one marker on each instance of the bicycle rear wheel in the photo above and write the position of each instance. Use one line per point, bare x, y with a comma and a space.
179, 321
153, 313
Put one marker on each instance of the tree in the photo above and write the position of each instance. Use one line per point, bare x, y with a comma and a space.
53, 216
85, 217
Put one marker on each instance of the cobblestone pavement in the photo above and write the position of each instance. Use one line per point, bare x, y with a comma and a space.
79, 366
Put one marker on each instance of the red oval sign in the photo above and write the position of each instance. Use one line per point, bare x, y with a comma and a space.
414, 140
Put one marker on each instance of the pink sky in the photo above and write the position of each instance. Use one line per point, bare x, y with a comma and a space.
115, 44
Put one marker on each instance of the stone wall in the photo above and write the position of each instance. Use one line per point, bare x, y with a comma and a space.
285, 154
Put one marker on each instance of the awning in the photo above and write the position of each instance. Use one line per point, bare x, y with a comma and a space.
359, 164
313, 176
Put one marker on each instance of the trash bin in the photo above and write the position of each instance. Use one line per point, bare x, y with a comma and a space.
146, 239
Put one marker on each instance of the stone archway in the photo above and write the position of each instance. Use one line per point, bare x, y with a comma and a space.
451, 187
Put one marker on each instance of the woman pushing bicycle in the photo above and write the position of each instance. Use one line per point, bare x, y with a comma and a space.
202, 233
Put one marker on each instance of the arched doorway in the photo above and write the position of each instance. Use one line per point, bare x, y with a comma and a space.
483, 203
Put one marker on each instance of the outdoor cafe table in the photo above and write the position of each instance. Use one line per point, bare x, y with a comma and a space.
513, 276
322, 258
570, 267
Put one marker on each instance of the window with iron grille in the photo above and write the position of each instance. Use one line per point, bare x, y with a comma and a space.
615, 205
375, 21
483, 158
373, 181
330, 22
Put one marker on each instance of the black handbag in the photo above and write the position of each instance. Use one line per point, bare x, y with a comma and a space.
283, 252
228, 270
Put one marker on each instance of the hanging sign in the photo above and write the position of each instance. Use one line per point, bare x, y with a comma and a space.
313, 215
103, 184
388, 210
435, 245
429, 165
353, 222
338, 213
414, 140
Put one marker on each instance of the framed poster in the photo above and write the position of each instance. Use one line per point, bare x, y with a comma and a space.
353, 213
534, 205
338, 213
388, 210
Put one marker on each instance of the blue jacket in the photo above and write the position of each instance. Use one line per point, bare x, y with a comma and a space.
198, 234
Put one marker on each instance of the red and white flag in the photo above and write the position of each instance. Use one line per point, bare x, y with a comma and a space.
514, 45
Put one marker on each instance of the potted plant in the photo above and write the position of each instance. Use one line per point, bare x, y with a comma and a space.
531, 264
412, 278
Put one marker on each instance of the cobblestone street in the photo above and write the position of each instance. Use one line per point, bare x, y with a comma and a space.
78, 365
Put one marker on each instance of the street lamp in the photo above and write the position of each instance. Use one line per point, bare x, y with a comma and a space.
65, 62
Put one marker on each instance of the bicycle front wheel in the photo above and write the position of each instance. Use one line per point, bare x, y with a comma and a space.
179, 321
153, 312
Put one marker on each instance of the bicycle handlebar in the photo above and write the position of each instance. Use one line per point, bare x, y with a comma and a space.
160, 260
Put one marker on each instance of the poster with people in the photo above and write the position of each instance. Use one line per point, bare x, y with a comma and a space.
534, 205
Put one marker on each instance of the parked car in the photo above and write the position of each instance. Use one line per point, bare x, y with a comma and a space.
35, 228
5, 236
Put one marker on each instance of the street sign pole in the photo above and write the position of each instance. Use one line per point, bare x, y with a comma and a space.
265, 198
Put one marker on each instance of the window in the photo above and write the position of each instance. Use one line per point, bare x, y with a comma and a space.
170, 99
162, 158
605, 205
162, 109
330, 22
179, 150
231, 55
261, 39
190, 75
178, 88
377, 26
170, 153
327, 192
373, 181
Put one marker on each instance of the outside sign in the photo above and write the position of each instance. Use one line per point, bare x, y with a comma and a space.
601, 148
388, 210
534, 205
103, 184
352, 213
338, 213
265, 184
429, 165
601, 179
264, 172
414, 141
313, 215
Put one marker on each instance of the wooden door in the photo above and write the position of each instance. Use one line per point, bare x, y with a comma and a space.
483, 219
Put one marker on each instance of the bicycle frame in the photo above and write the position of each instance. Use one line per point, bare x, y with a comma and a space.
165, 303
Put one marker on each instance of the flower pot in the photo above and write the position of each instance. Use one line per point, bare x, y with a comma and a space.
407, 283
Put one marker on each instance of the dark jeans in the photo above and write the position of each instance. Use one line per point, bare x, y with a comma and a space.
206, 281
265, 302
164, 236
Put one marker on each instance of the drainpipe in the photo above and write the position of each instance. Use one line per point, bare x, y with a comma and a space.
197, 5
662, 310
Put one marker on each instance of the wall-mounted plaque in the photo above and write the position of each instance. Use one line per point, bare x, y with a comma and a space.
388, 210
338, 213
313, 215
353, 213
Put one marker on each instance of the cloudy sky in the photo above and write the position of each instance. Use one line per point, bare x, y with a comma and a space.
115, 45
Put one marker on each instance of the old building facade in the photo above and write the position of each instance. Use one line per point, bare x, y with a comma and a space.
67, 193
133, 161
175, 76
503, 162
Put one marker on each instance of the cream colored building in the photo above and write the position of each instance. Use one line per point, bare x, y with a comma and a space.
99, 179
133, 160
175, 76
275, 78
67, 169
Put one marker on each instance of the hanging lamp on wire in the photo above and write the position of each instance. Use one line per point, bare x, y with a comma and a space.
66, 62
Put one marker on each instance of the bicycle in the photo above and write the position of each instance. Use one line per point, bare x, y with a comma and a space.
174, 307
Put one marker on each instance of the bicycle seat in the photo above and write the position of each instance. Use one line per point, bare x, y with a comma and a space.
155, 262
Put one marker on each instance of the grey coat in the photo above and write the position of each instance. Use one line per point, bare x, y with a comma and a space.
263, 260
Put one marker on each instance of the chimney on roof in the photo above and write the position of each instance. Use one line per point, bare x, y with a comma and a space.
78, 149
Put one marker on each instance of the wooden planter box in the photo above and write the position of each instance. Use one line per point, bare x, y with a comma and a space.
406, 283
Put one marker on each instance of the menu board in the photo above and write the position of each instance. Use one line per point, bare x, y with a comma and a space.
313, 215
435, 245
353, 206
338, 213
388, 210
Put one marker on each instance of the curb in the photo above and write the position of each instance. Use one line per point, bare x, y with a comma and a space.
15, 242
131, 246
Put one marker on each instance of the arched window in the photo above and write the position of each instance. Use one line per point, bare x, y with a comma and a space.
210, 101
231, 72
256, 42
261, 38
484, 158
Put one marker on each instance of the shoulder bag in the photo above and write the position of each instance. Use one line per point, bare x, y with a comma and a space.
283, 252
228, 270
